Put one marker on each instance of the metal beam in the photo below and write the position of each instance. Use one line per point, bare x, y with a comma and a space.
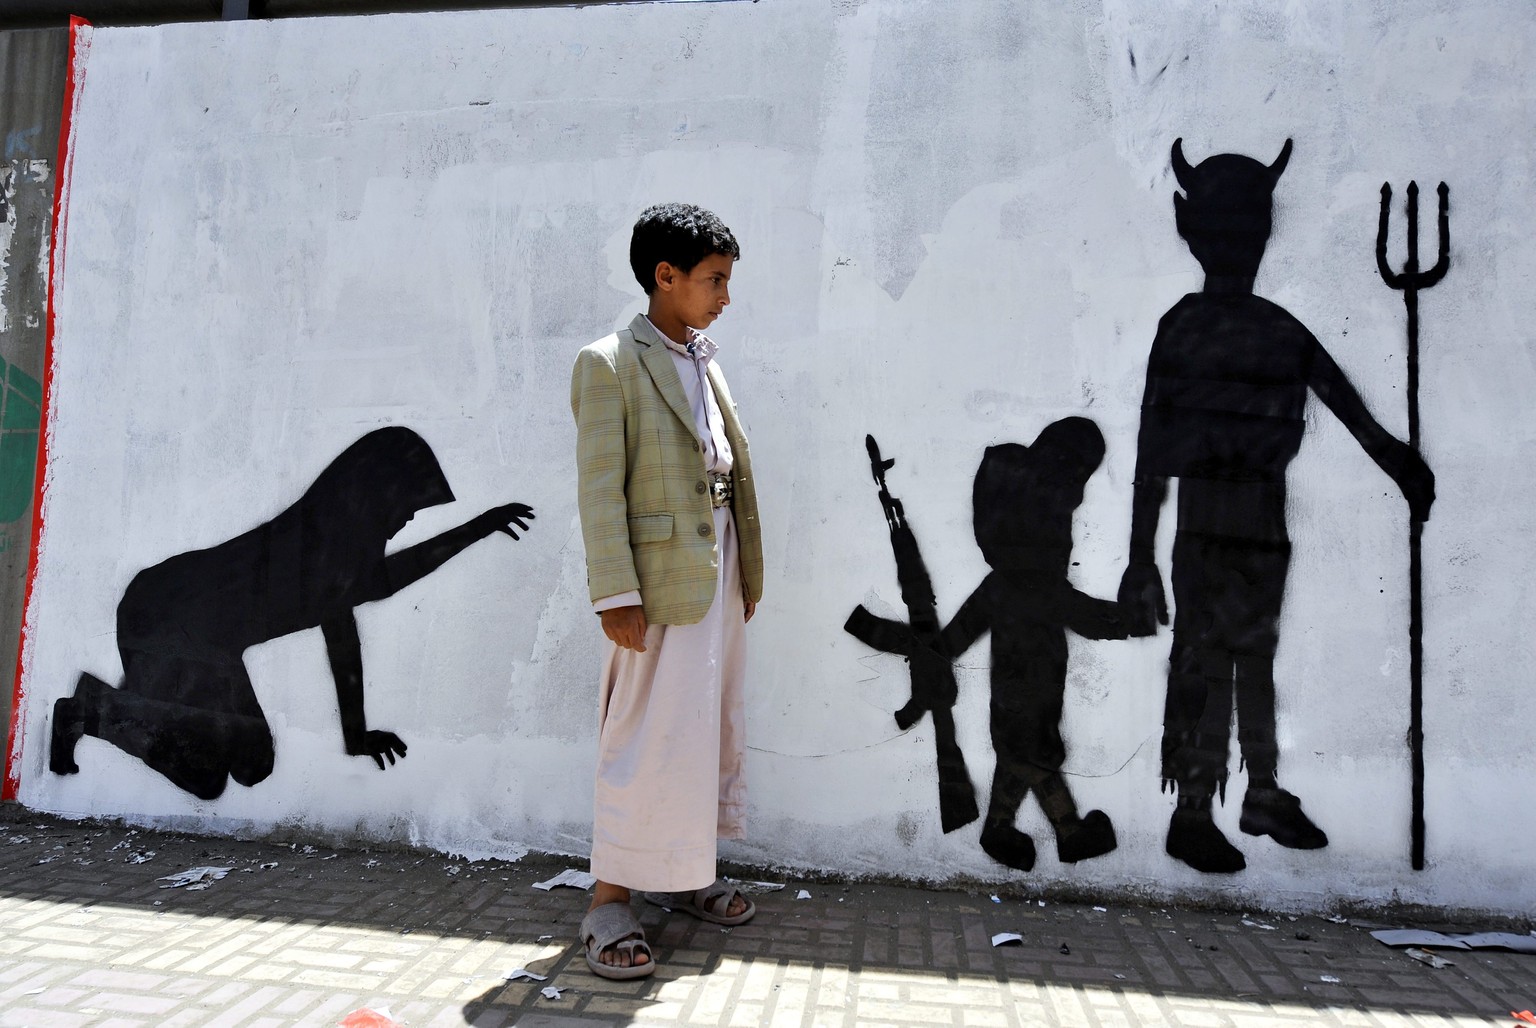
18, 14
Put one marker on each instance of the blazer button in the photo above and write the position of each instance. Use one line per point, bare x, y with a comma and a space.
699, 488
695, 447
704, 529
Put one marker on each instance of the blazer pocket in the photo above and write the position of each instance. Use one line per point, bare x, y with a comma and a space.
649, 528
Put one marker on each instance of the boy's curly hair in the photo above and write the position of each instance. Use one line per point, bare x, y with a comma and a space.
680, 234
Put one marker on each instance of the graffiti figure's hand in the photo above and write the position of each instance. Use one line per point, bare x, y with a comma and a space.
379, 746
933, 679
1417, 483
501, 519
1142, 599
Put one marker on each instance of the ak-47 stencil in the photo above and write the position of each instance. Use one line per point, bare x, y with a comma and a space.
933, 676
1227, 382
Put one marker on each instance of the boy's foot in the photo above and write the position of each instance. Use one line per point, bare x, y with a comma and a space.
67, 728
1091, 836
615, 943
1277, 814
1009, 846
1194, 838
718, 903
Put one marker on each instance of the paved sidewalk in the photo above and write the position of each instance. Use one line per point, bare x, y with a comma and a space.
299, 935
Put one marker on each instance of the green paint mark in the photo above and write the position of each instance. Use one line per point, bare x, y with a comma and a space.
20, 415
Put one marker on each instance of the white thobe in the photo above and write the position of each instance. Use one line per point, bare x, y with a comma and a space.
671, 720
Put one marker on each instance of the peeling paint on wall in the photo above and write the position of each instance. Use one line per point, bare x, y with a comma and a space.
31, 102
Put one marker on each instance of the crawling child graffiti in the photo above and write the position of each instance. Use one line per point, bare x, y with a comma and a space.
1226, 390
1023, 500
186, 706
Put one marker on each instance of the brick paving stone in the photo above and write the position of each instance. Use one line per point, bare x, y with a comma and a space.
87, 937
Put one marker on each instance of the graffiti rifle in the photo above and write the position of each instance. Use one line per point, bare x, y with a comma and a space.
933, 676
1410, 280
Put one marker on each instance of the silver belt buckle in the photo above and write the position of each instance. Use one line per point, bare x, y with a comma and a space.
719, 489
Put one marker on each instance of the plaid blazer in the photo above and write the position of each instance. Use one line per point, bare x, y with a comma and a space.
646, 518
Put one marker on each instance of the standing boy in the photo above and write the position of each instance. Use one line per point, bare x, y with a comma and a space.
675, 570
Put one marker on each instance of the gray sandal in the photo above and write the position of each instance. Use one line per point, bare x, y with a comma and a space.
717, 895
613, 926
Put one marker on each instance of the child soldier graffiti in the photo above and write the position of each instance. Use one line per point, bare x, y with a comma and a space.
1226, 389
1023, 500
186, 706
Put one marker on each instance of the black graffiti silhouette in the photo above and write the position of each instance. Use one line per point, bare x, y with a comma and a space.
1227, 382
186, 706
1410, 280
1023, 500
933, 676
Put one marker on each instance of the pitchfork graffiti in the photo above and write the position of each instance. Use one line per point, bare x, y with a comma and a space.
1410, 280
186, 706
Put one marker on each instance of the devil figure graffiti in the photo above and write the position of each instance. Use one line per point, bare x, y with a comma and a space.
1226, 389
186, 706
1023, 500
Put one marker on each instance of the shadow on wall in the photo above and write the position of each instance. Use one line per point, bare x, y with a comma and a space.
1226, 389
186, 706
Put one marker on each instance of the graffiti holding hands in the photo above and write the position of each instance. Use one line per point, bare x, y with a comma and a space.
1142, 599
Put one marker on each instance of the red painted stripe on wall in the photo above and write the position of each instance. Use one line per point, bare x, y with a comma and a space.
79, 46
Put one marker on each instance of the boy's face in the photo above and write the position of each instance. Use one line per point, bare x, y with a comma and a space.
695, 297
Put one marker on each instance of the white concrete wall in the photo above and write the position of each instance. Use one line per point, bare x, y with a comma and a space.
957, 227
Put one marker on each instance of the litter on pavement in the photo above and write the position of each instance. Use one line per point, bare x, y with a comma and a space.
195, 879
1457, 940
365, 1018
522, 972
570, 878
1424, 956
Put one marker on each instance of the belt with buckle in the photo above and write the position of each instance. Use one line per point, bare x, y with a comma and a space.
720, 489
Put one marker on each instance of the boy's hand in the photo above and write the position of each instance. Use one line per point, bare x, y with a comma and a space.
626, 626
750, 608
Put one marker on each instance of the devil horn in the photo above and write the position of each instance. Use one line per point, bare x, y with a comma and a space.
1278, 168
1181, 168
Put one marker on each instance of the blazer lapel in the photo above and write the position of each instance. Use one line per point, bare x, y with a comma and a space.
658, 361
